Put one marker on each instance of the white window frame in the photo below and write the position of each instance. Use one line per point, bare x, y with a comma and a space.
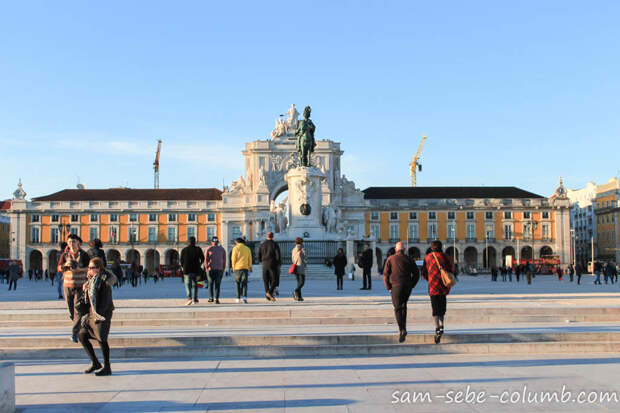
152, 234
451, 230
132, 233
35, 235
394, 231
172, 231
192, 229
375, 230
432, 230
211, 232
90, 233
414, 231
470, 231
54, 235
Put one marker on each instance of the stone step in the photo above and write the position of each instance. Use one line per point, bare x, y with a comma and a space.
228, 315
207, 341
304, 321
326, 350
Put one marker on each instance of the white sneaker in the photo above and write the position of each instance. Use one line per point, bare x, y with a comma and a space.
238, 300
245, 300
188, 302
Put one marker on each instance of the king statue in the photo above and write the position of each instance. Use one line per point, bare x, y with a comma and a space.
305, 138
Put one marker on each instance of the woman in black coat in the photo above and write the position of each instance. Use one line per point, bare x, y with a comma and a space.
340, 263
96, 323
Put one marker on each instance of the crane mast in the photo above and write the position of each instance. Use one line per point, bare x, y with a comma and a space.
416, 166
156, 165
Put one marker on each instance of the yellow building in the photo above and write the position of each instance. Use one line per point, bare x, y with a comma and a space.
146, 226
478, 226
5, 229
607, 212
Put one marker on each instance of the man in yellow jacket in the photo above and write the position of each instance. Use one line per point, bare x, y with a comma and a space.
241, 260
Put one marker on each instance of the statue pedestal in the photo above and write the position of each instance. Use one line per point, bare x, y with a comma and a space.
304, 188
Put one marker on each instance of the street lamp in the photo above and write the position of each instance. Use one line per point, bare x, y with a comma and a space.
573, 246
487, 229
453, 234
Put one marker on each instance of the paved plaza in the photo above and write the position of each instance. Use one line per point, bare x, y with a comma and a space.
324, 379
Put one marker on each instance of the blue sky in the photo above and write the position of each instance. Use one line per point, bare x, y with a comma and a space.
509, 93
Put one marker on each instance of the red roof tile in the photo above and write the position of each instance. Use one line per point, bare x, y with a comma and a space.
130, 194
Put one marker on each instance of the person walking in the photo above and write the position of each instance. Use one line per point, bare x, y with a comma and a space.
270, 259
571, 272
517, 271
96, 323
578, 272
493, 274
13, 276
299, 258
96, 250
241, 263
215, 264
434, 261
74, 264
529, 272
560, 272
191, 262
597, 271
609, 272
340, 265
400, 275
366, 264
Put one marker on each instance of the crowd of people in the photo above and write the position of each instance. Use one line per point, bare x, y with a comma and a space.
85, 281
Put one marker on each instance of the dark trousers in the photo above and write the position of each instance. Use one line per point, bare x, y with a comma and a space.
269, 278
578, 278
214, 278
277, 276
339, 278
367, 281
301, 280
400, 296
72, 296
84, 339
438, 303
241, 278
13, 283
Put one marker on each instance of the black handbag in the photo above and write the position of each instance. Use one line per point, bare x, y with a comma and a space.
202, 275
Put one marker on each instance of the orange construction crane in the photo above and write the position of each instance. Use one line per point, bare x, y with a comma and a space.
156, 164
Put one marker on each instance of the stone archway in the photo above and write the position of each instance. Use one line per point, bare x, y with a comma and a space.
113, 256
151, 258
132, 256
546, 251
489, 254
453, 253
526, 253
52, 260
414, 253
508, 252
471, 257
278, 190
35, 261
171, 257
